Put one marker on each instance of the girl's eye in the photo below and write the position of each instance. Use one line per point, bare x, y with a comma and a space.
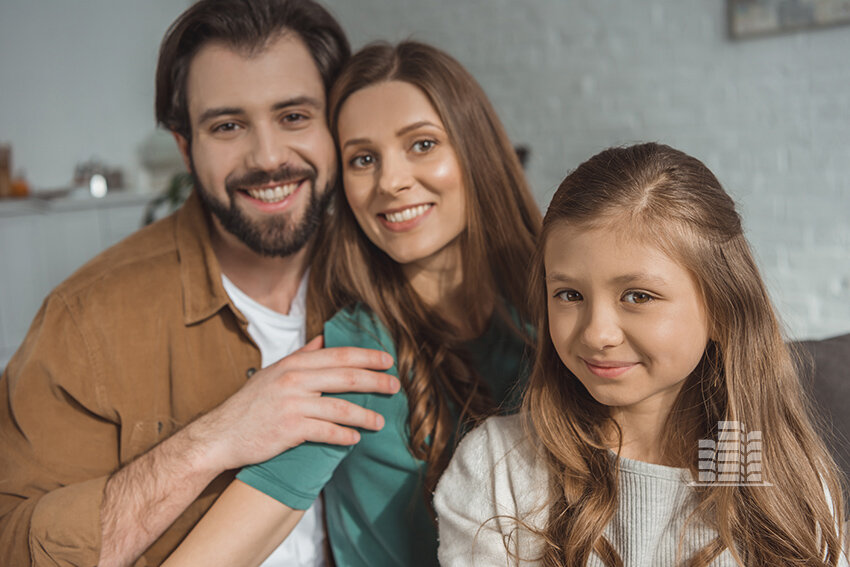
569, 295
361, 161
637, 297
423, 146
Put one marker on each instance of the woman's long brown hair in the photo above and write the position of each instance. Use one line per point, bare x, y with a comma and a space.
502, 225
657, 193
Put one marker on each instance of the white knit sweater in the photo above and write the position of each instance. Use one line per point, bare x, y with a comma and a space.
496, 476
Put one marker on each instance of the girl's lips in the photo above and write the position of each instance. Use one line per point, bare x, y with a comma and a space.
608, 369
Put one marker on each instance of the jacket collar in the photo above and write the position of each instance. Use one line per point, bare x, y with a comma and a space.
200, 272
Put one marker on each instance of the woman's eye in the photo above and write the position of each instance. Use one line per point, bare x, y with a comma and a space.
361, 161
423, 146
569, 295
637, 297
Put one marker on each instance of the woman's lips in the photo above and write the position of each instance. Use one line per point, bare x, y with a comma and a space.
606, 369
405, 218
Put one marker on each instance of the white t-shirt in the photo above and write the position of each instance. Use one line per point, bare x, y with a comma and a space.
278, 335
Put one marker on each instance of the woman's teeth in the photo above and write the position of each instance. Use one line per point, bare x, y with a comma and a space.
407, 214
272, 194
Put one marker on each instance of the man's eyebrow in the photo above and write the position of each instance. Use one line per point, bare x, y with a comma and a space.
212, 113
299, 101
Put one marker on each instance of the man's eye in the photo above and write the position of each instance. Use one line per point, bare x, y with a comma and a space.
293, 117
569, 295
637, 297
422, 146
361, 161
226, 127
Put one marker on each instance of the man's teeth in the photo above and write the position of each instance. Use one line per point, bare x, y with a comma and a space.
407, 214
273, 194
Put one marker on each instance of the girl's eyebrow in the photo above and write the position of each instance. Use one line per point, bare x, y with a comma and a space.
625, 279
558, 277
641, 277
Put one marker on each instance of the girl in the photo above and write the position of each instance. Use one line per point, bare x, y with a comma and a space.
425, 257
656, 335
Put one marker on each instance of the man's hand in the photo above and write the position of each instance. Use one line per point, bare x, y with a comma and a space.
282, 406
279, 408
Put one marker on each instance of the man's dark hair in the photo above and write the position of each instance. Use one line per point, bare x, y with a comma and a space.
246, 25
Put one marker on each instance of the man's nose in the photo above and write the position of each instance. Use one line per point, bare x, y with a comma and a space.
601, 327
269, 149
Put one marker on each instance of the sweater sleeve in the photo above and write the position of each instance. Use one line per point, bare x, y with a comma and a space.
297, 476
487, 497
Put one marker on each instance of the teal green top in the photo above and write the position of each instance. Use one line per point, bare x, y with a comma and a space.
374, 503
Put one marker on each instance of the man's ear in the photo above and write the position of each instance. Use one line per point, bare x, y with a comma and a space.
183, 146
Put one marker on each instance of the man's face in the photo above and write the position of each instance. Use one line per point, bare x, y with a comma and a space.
261, 152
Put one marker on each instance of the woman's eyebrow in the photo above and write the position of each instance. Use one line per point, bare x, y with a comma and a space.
414, 126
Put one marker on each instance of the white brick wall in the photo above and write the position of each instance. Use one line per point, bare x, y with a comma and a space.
771, 117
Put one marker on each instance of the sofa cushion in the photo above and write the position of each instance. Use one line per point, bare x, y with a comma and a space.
829, 383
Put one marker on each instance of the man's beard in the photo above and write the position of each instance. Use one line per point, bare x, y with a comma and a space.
274, 235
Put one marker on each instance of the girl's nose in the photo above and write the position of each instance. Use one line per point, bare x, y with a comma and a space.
601, 328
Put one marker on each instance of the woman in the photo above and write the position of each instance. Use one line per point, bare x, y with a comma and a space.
427, 260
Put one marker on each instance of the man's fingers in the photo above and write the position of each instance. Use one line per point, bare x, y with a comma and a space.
319, 431
341, 380
340, 412
337, 357
316, 343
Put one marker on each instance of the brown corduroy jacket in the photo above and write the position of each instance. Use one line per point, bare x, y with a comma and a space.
136, 344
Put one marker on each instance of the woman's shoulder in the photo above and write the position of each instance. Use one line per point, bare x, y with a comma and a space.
357, 326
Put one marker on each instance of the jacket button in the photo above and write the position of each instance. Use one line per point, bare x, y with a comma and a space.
250, 372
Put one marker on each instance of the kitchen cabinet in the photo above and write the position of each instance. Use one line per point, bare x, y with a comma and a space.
43, 242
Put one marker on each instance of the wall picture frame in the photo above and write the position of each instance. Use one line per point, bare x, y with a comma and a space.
755, 18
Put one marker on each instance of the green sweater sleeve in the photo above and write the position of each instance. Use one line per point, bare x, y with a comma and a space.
297, 476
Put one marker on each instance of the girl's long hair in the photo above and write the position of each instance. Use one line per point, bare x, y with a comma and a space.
747, 375
501, 228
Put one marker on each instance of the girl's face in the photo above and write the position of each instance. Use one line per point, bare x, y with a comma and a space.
624, 317
401, 175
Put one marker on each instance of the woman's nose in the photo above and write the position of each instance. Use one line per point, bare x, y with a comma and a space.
394, 174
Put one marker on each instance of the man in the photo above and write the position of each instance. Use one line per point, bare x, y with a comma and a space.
137, 387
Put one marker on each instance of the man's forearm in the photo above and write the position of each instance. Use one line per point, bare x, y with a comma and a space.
144, 498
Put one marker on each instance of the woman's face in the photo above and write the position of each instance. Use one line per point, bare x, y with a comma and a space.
401, 175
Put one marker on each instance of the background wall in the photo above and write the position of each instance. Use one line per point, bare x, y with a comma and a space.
76, 83
771, 116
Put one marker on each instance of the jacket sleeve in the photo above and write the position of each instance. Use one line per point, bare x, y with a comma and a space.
58, 445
